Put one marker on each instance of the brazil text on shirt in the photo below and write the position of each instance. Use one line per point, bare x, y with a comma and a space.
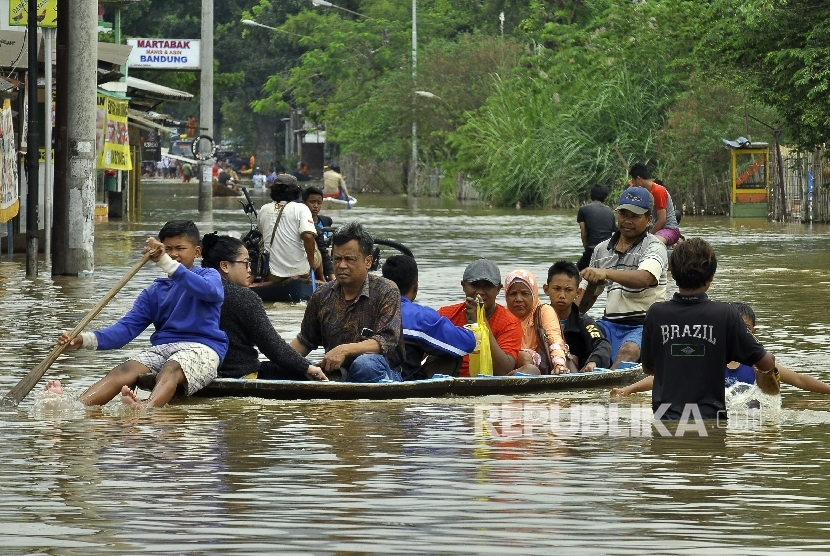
702, 331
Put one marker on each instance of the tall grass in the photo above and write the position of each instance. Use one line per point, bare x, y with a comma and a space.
543, 143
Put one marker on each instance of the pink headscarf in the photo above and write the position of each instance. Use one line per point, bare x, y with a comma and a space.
522, 276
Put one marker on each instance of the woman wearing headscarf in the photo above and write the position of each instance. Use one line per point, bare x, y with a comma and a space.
522, 294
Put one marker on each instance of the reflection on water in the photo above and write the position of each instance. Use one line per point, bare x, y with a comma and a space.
253, 476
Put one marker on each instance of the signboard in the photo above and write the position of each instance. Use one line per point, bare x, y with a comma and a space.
150, 145
47, 13
9, 201
171, 54
112, 138
14, 49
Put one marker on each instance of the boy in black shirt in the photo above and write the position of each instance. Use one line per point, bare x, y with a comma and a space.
585, 339
688, 341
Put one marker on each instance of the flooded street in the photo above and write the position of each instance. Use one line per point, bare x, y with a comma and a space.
246, 476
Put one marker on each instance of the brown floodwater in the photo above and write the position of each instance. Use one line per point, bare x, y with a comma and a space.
432, 476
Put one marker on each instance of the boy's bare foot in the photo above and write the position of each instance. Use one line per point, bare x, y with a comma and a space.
54, 386
130, 398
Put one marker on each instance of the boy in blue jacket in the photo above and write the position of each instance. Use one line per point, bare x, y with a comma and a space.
424, 330
187, 345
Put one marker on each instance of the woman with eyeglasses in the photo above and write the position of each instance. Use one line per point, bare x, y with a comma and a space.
244, 320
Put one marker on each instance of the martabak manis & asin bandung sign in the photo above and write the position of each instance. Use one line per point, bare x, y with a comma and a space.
172, 54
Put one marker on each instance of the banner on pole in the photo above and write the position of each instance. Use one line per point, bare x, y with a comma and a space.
47, 13
112, 138
9, 201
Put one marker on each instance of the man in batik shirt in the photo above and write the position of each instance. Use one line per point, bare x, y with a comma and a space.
357, 317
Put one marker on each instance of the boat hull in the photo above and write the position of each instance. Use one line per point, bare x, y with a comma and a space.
223, 191
310, 390
437, 386
332, 203
481, 386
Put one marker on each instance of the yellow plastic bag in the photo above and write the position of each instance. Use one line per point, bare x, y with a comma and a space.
485, 356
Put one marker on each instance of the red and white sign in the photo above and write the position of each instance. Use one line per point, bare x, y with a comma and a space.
172, 54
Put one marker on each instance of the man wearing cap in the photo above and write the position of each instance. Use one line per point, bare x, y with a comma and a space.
288, 230
632, 265
482, 283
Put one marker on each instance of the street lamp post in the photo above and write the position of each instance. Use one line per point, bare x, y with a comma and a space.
252, 23
413, 165
325, 4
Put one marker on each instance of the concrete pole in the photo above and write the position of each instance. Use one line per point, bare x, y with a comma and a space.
206, 107
60, 197
81, 92
48, 34
32, 164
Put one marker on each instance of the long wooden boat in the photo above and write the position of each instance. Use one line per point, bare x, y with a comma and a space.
224, 191
438, 386
334, 203
486, 386
311, 390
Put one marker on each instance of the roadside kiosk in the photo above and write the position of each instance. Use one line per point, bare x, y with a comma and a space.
750, 178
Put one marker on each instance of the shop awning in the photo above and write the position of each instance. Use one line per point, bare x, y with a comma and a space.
14, 50
140, 88
166, 152
138, 119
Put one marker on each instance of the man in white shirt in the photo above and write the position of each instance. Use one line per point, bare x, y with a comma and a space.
259, 178
288, 230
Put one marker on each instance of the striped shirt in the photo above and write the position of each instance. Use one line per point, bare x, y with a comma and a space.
626, 305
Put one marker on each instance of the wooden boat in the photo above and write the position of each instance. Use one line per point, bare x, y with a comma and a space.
332, 203
481, 386
439, 385
224, 191
310, 390
292, 290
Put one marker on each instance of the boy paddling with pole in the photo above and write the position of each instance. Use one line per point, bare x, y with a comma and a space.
187, 345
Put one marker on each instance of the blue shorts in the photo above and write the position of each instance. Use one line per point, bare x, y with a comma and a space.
618, 334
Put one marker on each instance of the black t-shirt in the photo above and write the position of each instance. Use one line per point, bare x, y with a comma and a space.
687, 342
585, 339
600, 222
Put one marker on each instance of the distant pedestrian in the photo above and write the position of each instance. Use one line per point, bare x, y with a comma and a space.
665, 226
187, 172
596, 223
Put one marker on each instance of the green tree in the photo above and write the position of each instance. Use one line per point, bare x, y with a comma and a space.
778, 50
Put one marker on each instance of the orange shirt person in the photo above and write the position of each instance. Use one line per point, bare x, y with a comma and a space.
482, 282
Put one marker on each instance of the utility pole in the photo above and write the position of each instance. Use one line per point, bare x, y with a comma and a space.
206, 107
48, 195
59, 195
413, 166
32, 145
81, 88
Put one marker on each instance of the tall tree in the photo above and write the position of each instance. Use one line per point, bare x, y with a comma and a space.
779, 50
